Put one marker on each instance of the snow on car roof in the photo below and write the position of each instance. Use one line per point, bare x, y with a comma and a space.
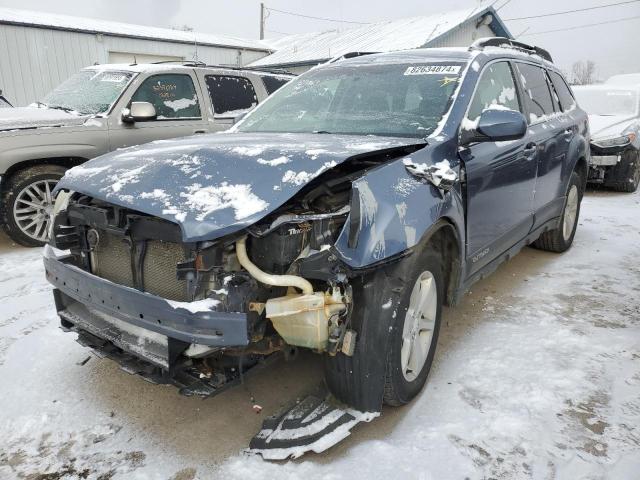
391, 35
91, 25
147, 67
609, 87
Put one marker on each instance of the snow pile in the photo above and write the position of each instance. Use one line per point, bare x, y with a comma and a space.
205, 305
181, 104
300, 178
206, 200
248, 151
434, 173
275, 162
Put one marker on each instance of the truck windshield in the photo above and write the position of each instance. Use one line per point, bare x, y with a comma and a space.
602, 101
88, 92
403, 100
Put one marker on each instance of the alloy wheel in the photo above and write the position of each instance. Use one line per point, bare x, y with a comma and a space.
33, 207
419, 325
570, 213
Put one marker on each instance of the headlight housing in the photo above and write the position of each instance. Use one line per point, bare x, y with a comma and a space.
62, 201
617, 141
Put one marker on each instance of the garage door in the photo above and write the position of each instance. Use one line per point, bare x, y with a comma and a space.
124, 57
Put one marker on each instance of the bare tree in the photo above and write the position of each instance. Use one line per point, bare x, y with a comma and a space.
584, 72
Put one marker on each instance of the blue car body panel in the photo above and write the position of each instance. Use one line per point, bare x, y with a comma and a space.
217, 184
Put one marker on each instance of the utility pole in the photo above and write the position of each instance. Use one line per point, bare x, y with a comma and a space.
262, 20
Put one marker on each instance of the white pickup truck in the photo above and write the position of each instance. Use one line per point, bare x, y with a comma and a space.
106, 107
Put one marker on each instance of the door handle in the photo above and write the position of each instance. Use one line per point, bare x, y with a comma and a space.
199, 131
530, 150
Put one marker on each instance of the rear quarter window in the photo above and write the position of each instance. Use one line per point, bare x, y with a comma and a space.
536, 91
567, 102
271, 83
230, 94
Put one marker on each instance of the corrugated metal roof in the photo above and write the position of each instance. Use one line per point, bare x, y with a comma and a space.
90, 25
402, 34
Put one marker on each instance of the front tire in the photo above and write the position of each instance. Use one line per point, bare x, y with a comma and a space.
561, 238
27, 204
625, 177
386, 319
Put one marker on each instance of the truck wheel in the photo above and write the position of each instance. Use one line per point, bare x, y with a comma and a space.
625, 177
397, 313
560, 239
27, 203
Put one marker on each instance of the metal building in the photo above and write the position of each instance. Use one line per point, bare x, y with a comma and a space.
40, 50
298, 53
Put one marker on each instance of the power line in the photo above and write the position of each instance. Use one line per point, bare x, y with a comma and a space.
502, 6
582, 26
317, 18
572, 11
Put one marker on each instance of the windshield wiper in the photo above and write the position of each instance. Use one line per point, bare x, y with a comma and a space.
64, 109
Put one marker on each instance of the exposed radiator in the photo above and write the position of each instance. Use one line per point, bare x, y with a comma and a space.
111, 260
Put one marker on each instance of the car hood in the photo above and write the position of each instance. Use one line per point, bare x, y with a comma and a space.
217, 184
609, 125
32, 117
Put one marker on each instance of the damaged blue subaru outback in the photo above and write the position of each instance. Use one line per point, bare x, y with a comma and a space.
338, 216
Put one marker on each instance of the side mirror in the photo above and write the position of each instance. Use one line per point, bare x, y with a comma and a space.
496, 125
139, 112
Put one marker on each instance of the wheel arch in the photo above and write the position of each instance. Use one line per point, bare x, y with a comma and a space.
582, 169
443, 237
66, 162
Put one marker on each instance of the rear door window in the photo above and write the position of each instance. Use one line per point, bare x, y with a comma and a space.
567, 102
496, 89
272, 83
230, 94
173, 96
537, 94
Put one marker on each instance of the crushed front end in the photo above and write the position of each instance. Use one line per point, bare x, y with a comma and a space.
199, 314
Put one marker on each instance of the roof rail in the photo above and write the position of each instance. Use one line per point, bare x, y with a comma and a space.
509, 43
186, 63
197, 63
350, 55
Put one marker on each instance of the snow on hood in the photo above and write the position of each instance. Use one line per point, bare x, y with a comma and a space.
609, 125
32, 117
217, 184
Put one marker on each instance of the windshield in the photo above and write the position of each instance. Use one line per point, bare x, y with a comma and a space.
403, 100
607, 102
88, 92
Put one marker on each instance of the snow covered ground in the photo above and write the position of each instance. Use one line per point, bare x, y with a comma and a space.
537, 376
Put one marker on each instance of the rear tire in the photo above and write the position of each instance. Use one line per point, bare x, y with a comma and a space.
27, 203
625, 177
377, 371
560, 239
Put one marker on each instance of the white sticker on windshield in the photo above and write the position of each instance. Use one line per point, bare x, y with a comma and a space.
433, 70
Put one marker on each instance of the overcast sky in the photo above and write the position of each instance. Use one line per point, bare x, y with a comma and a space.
614, 47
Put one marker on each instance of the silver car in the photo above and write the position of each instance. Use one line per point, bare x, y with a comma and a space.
614, 119
104, 108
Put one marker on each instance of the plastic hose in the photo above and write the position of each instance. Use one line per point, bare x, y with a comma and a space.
267, 278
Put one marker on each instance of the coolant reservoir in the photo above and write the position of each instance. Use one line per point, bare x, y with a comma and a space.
300, 319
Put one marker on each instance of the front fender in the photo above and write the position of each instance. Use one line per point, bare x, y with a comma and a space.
59, 142
391, 211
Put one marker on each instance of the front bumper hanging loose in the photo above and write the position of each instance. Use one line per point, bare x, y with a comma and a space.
132, 319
